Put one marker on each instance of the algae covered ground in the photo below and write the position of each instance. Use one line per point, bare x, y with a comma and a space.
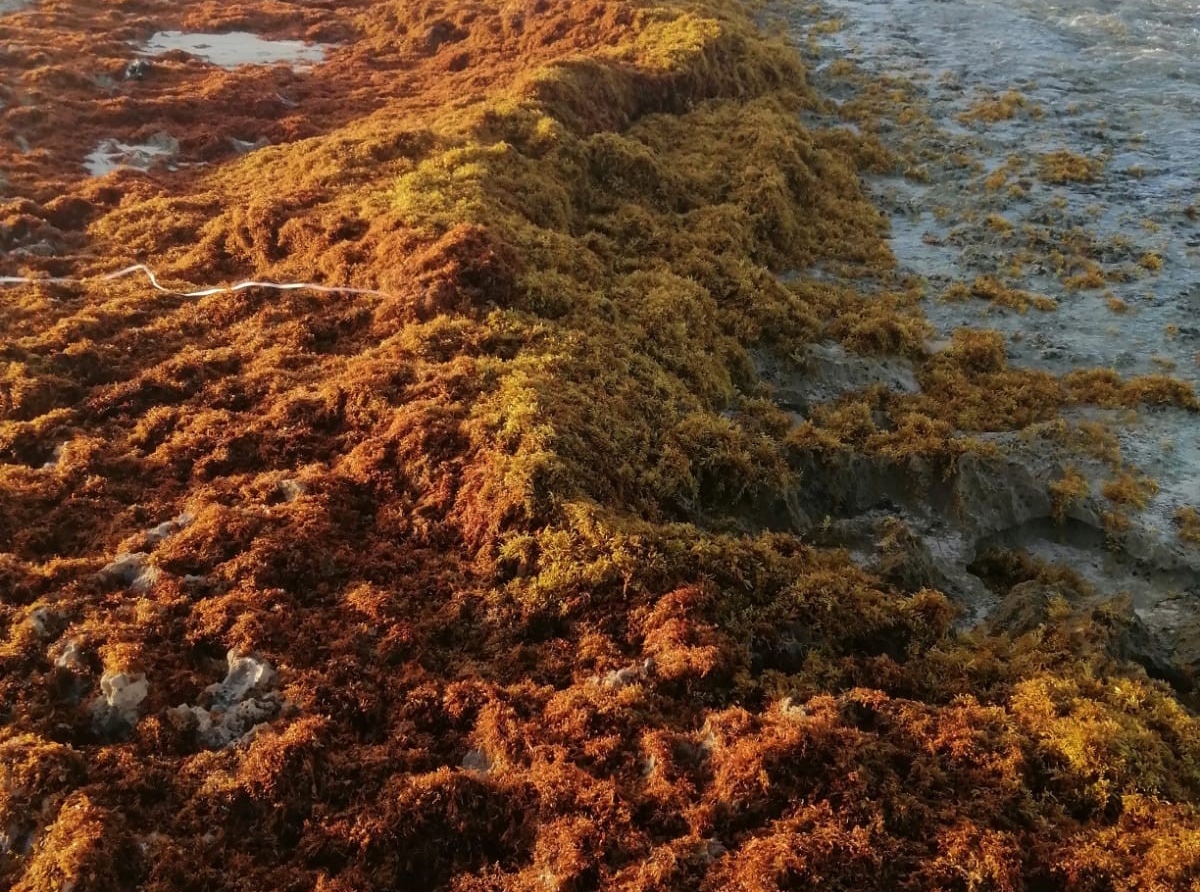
547, 566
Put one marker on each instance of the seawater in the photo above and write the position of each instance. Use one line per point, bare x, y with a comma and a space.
1116, 81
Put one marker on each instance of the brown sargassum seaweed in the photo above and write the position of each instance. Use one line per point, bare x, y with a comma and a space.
502, 533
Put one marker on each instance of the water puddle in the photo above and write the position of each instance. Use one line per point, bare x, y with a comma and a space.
161, 150
234, 48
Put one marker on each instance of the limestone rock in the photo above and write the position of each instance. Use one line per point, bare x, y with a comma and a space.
132, 570
245, 676
243, 701
121, 693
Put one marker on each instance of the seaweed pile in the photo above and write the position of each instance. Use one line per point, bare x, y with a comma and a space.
505, 578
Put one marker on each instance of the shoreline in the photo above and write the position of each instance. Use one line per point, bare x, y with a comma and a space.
1027, 251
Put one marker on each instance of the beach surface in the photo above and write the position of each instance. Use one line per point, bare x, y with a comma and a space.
545, 446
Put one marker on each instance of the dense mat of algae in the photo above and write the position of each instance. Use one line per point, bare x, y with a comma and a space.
516, 536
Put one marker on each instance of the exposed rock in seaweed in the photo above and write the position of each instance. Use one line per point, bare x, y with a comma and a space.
116, 710
245, 699
132, 570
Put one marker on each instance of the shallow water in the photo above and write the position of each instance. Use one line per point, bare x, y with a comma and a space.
1118, 82
235, 48
1114, 81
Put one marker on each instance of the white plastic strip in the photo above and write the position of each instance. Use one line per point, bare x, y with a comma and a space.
205, 292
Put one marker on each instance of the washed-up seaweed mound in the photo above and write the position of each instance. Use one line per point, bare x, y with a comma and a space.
491, 583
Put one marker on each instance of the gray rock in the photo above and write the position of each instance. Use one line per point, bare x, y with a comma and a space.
121, 693
218, 729
245, 147
71, 657
133, 571
244, 701
621, 678
291, 489
55, 457
169, 527
245, 676
1001, 492
137, 69
477, 761
826, 371
1025, 608
42, 620
246, 715
713, 849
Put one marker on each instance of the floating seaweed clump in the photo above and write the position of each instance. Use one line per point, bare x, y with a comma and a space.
993, 108
1063, 166
999, 294
1187, 522
505, 544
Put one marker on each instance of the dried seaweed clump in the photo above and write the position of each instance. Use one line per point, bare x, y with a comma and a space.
1187, 523
1071, 488
1001, 295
